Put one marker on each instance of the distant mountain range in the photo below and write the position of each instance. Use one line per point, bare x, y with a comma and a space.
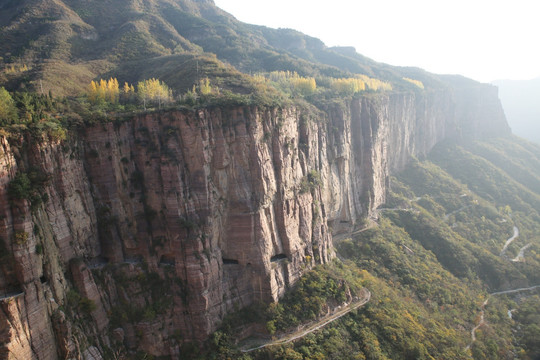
521, 103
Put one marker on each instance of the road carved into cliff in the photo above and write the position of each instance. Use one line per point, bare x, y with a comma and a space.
12, 295
483, 312
315, 325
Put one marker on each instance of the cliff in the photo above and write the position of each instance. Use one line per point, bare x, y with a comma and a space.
146, 232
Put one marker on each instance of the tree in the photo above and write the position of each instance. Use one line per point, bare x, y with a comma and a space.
112, 90
104, 90
204, 87
128, 92
153, 90
304, 86
348, 86
291, 82
143, 92
93, 92
128, 88
8, 111
418, 83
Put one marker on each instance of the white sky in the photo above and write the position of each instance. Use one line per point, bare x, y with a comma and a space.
483, 40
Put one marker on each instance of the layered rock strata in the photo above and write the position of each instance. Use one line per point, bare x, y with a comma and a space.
150, 230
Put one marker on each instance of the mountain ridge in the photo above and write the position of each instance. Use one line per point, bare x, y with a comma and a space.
94, 39
134, 231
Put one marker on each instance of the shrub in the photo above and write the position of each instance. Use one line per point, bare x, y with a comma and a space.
311, 181
80, 303
87, 305
20, 237
20, 187
29, 186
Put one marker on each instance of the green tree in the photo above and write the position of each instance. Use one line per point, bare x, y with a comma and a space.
8, 111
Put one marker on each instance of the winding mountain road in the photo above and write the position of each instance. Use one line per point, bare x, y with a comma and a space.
480, 323
364, 299
509, 241
447, 216
482, 311
521, 255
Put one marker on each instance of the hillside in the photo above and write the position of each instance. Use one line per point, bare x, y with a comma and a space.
63, 45
430, 263
177, 184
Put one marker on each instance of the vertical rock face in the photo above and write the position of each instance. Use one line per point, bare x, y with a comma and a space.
37, 244
153, 229
374, 137
213, 197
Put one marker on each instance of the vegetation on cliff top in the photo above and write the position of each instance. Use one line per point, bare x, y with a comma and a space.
106, 100
62, 46
69, 49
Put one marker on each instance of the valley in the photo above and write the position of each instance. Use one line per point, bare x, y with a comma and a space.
177, 184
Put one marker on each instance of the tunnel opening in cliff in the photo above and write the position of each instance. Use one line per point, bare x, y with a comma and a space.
167, 260
230, 261
278, 257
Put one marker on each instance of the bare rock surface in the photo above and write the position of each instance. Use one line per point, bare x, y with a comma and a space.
151, 230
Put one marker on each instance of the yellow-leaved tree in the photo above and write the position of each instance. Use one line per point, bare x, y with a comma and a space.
291, 81
304, 85
348, 86
205, 88
153, 90
104, 90
112, 90
128, 92
128, 88
418, 83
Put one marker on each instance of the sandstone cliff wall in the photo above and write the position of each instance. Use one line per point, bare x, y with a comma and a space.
151, 230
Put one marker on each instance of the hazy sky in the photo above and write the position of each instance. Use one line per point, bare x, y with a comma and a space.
484, 40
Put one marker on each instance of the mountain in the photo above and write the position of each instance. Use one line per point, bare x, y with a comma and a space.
82, 40
263, 182
67, 43
520, 103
